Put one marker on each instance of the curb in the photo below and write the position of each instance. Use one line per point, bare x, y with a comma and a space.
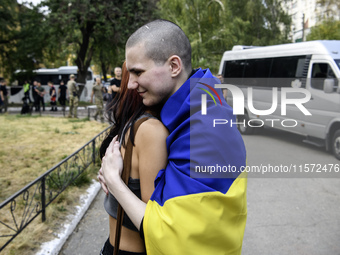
54, 246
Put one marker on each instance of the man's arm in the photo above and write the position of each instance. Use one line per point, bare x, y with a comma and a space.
115, 88
92, 96
76, 86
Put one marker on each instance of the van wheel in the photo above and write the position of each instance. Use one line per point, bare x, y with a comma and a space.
336, 144
244, 129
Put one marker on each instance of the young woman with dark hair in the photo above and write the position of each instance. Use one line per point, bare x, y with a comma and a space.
149, 155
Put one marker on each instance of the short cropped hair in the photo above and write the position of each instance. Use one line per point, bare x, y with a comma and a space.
162, 39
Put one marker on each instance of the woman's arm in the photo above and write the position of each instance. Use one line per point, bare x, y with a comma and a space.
152, 157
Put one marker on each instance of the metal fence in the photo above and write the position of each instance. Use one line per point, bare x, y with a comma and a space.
23, 207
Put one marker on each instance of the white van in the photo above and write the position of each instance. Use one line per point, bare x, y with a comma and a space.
273, 72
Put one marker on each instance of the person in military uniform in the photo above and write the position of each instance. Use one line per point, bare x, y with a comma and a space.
73, 96
98, 95
40, 97
3, 95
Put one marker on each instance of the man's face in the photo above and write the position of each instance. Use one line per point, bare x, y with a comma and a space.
97, 80
118, 71
35, 83
153, 82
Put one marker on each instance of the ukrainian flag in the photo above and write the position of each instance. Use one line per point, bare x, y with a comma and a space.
193, 212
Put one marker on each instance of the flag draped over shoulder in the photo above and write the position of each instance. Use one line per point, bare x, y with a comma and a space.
198, 206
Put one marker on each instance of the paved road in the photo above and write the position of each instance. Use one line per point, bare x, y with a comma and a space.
285, 215
290, 215
92, 231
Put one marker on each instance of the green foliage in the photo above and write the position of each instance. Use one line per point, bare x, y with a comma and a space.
70, 133
79, 120
56, 181
327, 30
58, 30
22, 37
217, 25
110, 42
94, 29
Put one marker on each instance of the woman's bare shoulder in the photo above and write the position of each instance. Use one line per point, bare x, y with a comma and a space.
151, 129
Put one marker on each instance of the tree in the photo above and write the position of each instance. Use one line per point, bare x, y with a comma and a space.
215, 26
329, 27
21, 37
95, 25
327, 30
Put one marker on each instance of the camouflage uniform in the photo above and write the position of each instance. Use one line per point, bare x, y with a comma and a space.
73, 97
98, 98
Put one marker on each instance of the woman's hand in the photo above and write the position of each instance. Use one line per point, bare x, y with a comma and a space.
112, 167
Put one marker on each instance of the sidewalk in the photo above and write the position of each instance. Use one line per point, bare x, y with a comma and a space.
91, 232
83, 111
85, 231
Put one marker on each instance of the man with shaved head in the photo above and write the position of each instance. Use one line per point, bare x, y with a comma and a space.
165, 64
199, 202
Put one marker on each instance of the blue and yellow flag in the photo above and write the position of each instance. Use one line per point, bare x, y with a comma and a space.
199, 203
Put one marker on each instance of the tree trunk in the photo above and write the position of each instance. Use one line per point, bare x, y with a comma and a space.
103, 66
84, 55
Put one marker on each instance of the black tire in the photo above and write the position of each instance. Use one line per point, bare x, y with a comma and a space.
244, 129
336, 144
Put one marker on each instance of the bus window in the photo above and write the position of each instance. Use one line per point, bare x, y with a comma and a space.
285, 67
256, 72
337, 61
320, 72
89, 76
257, 68
234, 69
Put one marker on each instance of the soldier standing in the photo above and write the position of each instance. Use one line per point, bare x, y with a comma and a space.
98, 95
3, 95
40, 96
73, 96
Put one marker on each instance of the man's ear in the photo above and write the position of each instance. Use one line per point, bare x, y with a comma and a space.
176, 65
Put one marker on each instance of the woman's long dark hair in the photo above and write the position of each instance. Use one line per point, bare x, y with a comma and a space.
125, 111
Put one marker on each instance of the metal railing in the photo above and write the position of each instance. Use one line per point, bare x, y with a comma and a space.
24, 206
